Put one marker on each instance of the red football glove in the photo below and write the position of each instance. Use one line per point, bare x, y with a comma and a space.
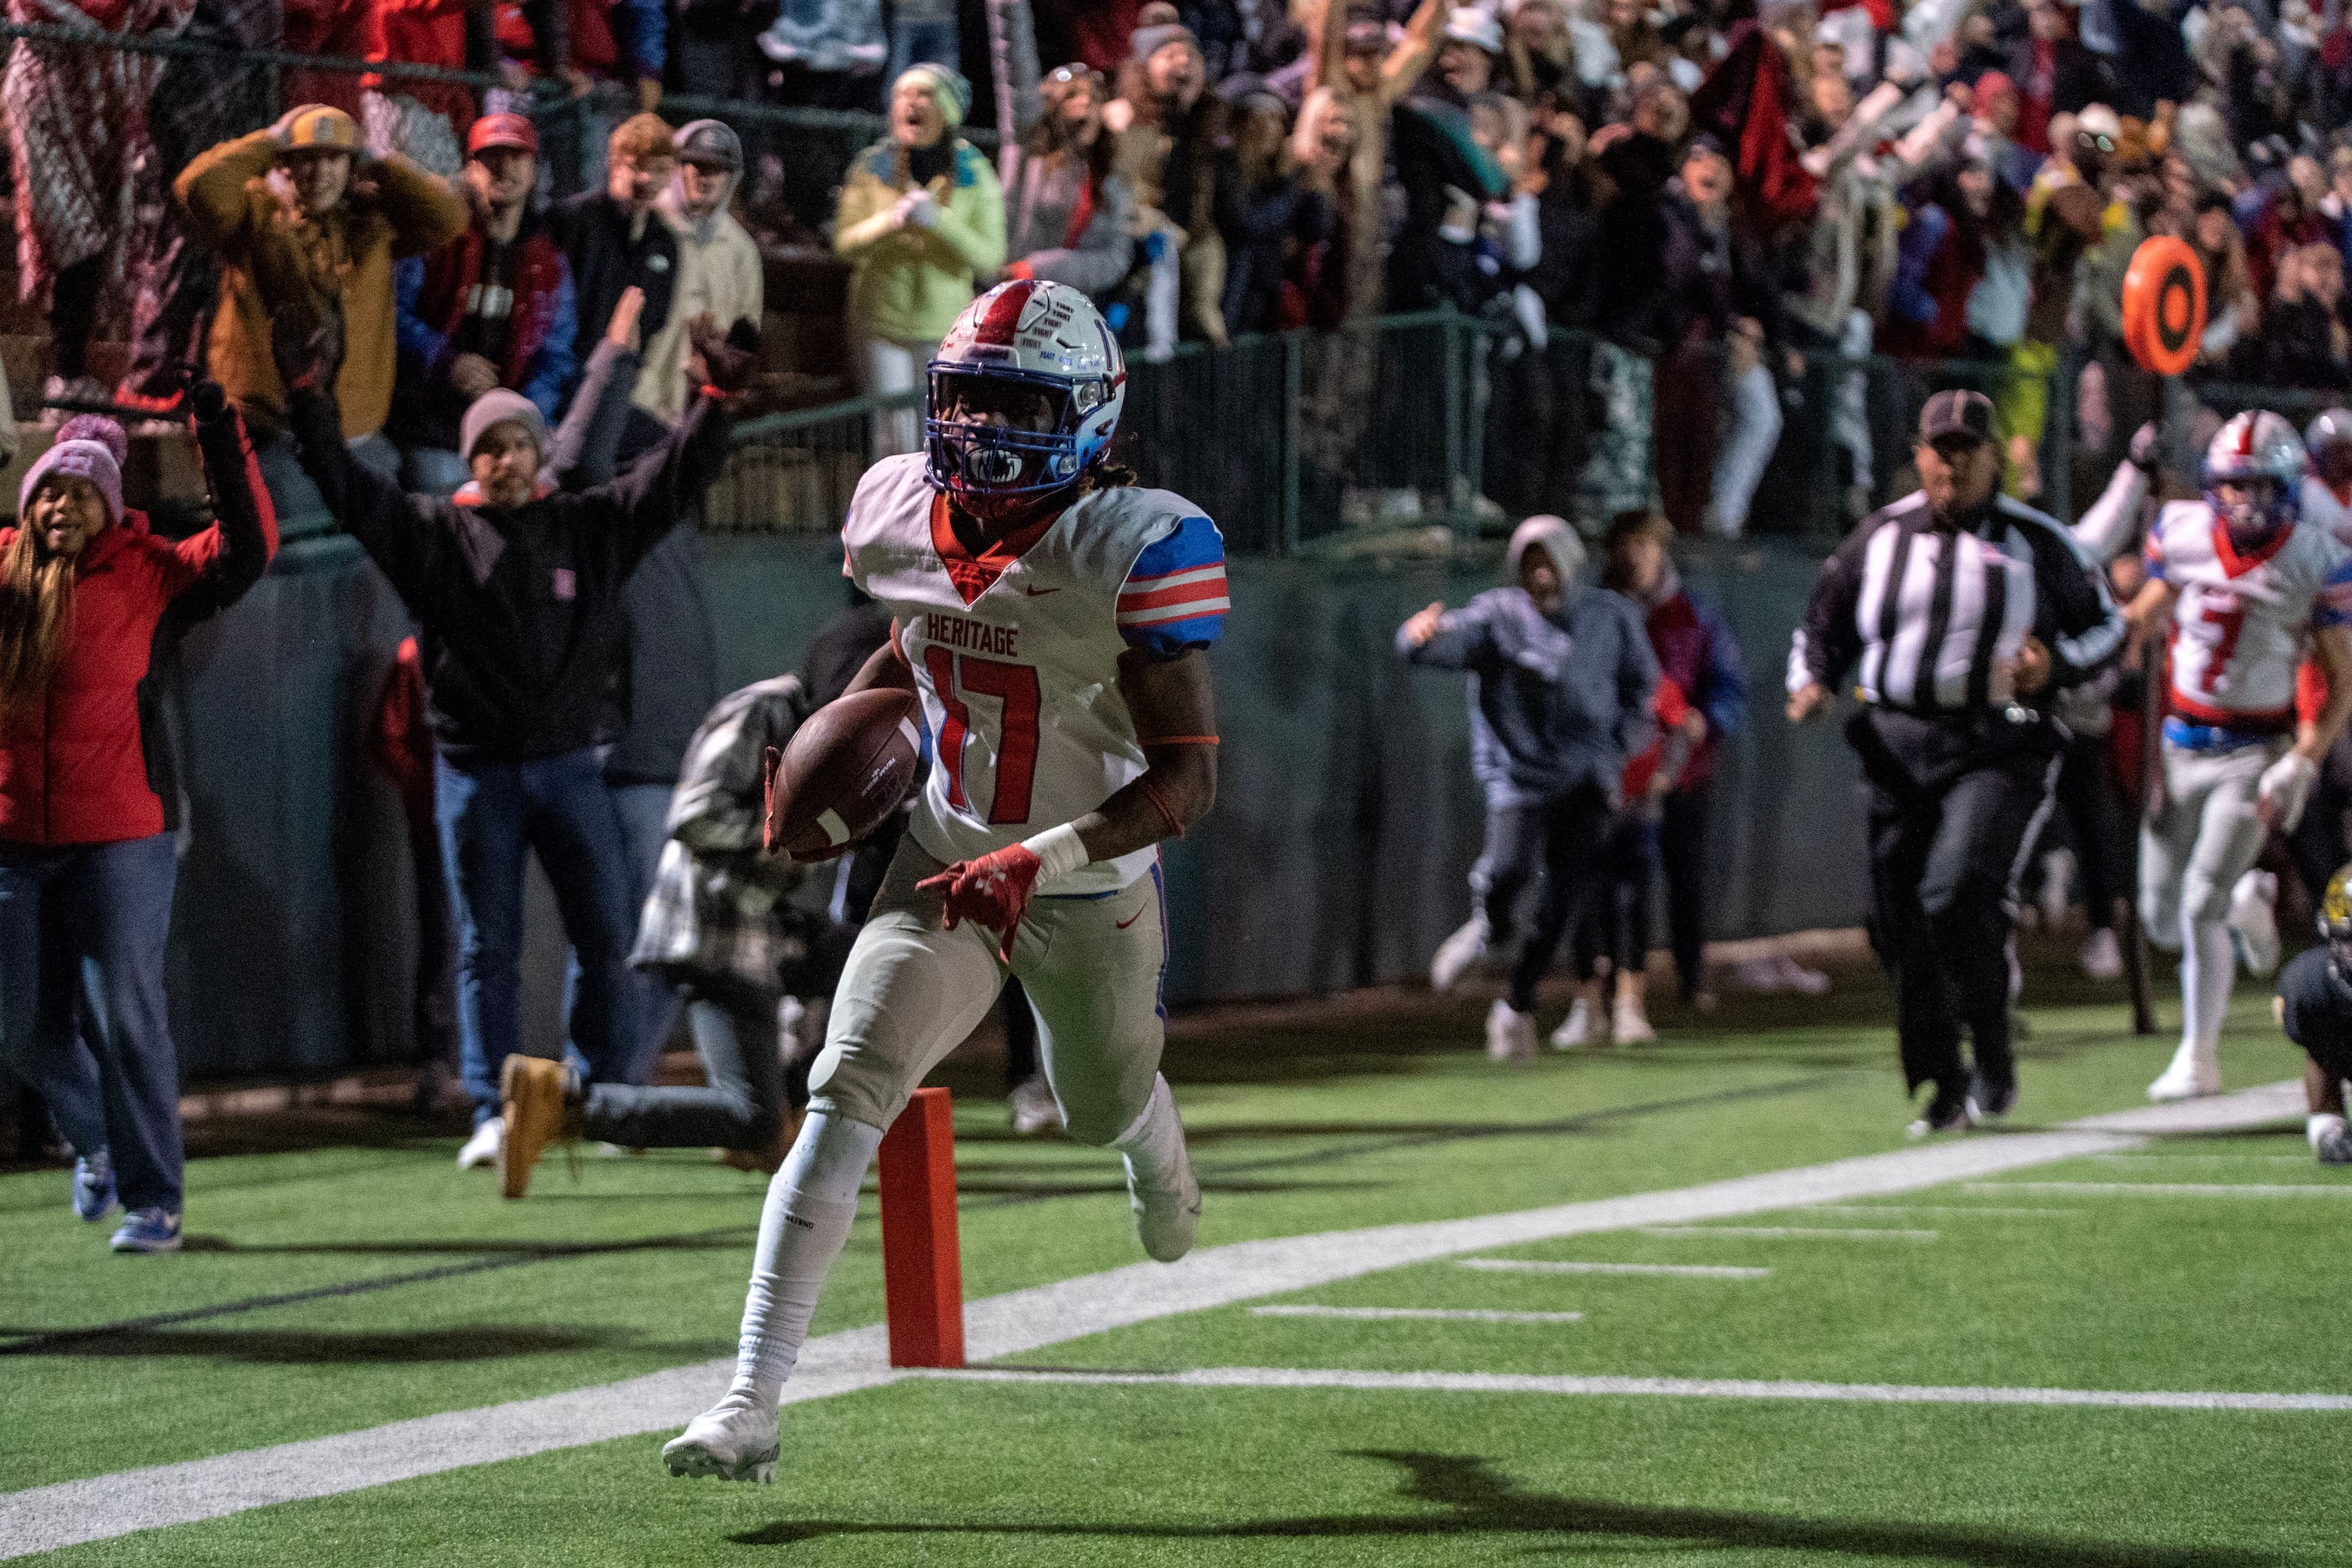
992, 891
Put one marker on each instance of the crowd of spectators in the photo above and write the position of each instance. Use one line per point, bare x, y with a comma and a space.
1717, 192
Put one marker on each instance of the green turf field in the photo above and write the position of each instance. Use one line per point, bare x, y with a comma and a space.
1303, 1122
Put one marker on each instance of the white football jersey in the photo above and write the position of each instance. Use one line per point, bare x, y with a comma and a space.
2241, 623
1016, 651
2320, 506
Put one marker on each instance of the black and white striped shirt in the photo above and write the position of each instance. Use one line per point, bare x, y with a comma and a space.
1930, 619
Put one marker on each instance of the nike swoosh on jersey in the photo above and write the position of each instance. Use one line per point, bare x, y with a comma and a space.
1037, 592
1130, 920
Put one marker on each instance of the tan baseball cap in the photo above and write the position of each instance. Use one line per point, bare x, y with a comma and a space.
322, 129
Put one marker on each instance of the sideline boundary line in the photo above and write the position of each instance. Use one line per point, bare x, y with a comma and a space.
1656, 1388
99, 1507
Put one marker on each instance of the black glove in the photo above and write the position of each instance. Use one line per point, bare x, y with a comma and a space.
308, 345
207, 399
716, 361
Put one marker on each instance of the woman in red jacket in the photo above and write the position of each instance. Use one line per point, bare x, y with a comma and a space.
87, 599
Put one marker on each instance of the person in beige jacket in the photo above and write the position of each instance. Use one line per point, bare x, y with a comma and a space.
302, 219
718, 271
921, 217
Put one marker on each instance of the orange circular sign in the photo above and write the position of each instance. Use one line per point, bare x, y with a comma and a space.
2164, 306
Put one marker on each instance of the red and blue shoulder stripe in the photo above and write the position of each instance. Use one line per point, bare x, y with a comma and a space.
1174, 596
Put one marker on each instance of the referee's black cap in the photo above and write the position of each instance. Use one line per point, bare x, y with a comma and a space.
1956, 413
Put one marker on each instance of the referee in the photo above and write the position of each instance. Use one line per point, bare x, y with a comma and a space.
1960, 613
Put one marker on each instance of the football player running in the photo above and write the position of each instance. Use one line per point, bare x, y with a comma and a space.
2248, 585
1053, 617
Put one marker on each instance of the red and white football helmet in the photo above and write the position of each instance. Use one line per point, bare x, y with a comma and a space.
2254, 445
1040, 335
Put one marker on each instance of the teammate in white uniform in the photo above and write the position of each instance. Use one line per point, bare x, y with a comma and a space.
1053, 619
2328, 487
2248, 586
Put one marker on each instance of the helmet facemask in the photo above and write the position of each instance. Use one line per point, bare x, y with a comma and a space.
999, 439
2253, 507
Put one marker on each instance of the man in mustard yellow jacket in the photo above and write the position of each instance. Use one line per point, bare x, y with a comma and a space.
301, 216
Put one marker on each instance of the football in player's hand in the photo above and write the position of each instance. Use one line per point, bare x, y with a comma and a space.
848, 766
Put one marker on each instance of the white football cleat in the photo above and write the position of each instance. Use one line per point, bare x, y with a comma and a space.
1579, 1029
2102, 957
1165, 1217
732, 1440
1510, 1034
2191, 1077
1805, 982
2253, 922
484, 1146
1630, 1026
1457, 953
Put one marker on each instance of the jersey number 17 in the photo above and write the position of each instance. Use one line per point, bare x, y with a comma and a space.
1014, 688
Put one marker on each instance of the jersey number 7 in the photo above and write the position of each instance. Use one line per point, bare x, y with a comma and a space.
2232, 623
1014, 688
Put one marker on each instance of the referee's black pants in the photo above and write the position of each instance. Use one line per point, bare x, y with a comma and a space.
1953, 807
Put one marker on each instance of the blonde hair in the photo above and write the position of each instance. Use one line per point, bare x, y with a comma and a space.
37, 595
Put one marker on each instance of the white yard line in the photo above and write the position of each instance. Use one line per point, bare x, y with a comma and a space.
101, 1507
1436, 1314
1789, 1232
2171, 1189
1679, 1270
2141, 1156
1663, 1387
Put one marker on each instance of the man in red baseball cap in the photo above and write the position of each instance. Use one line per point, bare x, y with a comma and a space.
495, 308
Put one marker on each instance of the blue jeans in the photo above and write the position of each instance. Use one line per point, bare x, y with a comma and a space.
922, 43
642, 813
490, 815
301, 509
85, 924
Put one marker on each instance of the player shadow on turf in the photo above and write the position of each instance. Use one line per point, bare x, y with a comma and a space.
320, 1347
1481, 1500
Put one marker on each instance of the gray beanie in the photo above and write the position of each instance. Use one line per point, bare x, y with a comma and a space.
710, 141
496, 406
1148, 41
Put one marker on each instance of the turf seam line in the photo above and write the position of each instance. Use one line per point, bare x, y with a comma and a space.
2171, 1189
1021, 1322
1660, 1387
1787, 1232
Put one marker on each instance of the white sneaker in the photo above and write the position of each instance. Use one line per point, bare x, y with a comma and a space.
2102, 957
732, 1440
1032, 1107
483, 1147
2253, 922
1510, 1034
1631, 1026
1795, 976
1165, 1217
1582, 1027
1457, 953
1761, 975
2191, 1077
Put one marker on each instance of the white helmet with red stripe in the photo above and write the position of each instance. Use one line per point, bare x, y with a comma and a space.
1025, 393
2253, 447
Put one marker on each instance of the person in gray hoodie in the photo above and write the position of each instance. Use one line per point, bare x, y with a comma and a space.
1560, 680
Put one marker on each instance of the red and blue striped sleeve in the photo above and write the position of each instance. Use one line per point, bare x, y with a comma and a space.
1174, 596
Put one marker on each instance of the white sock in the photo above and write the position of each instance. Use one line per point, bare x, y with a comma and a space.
2209, 966
2321, 1127
1154, 1142
802, 1227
